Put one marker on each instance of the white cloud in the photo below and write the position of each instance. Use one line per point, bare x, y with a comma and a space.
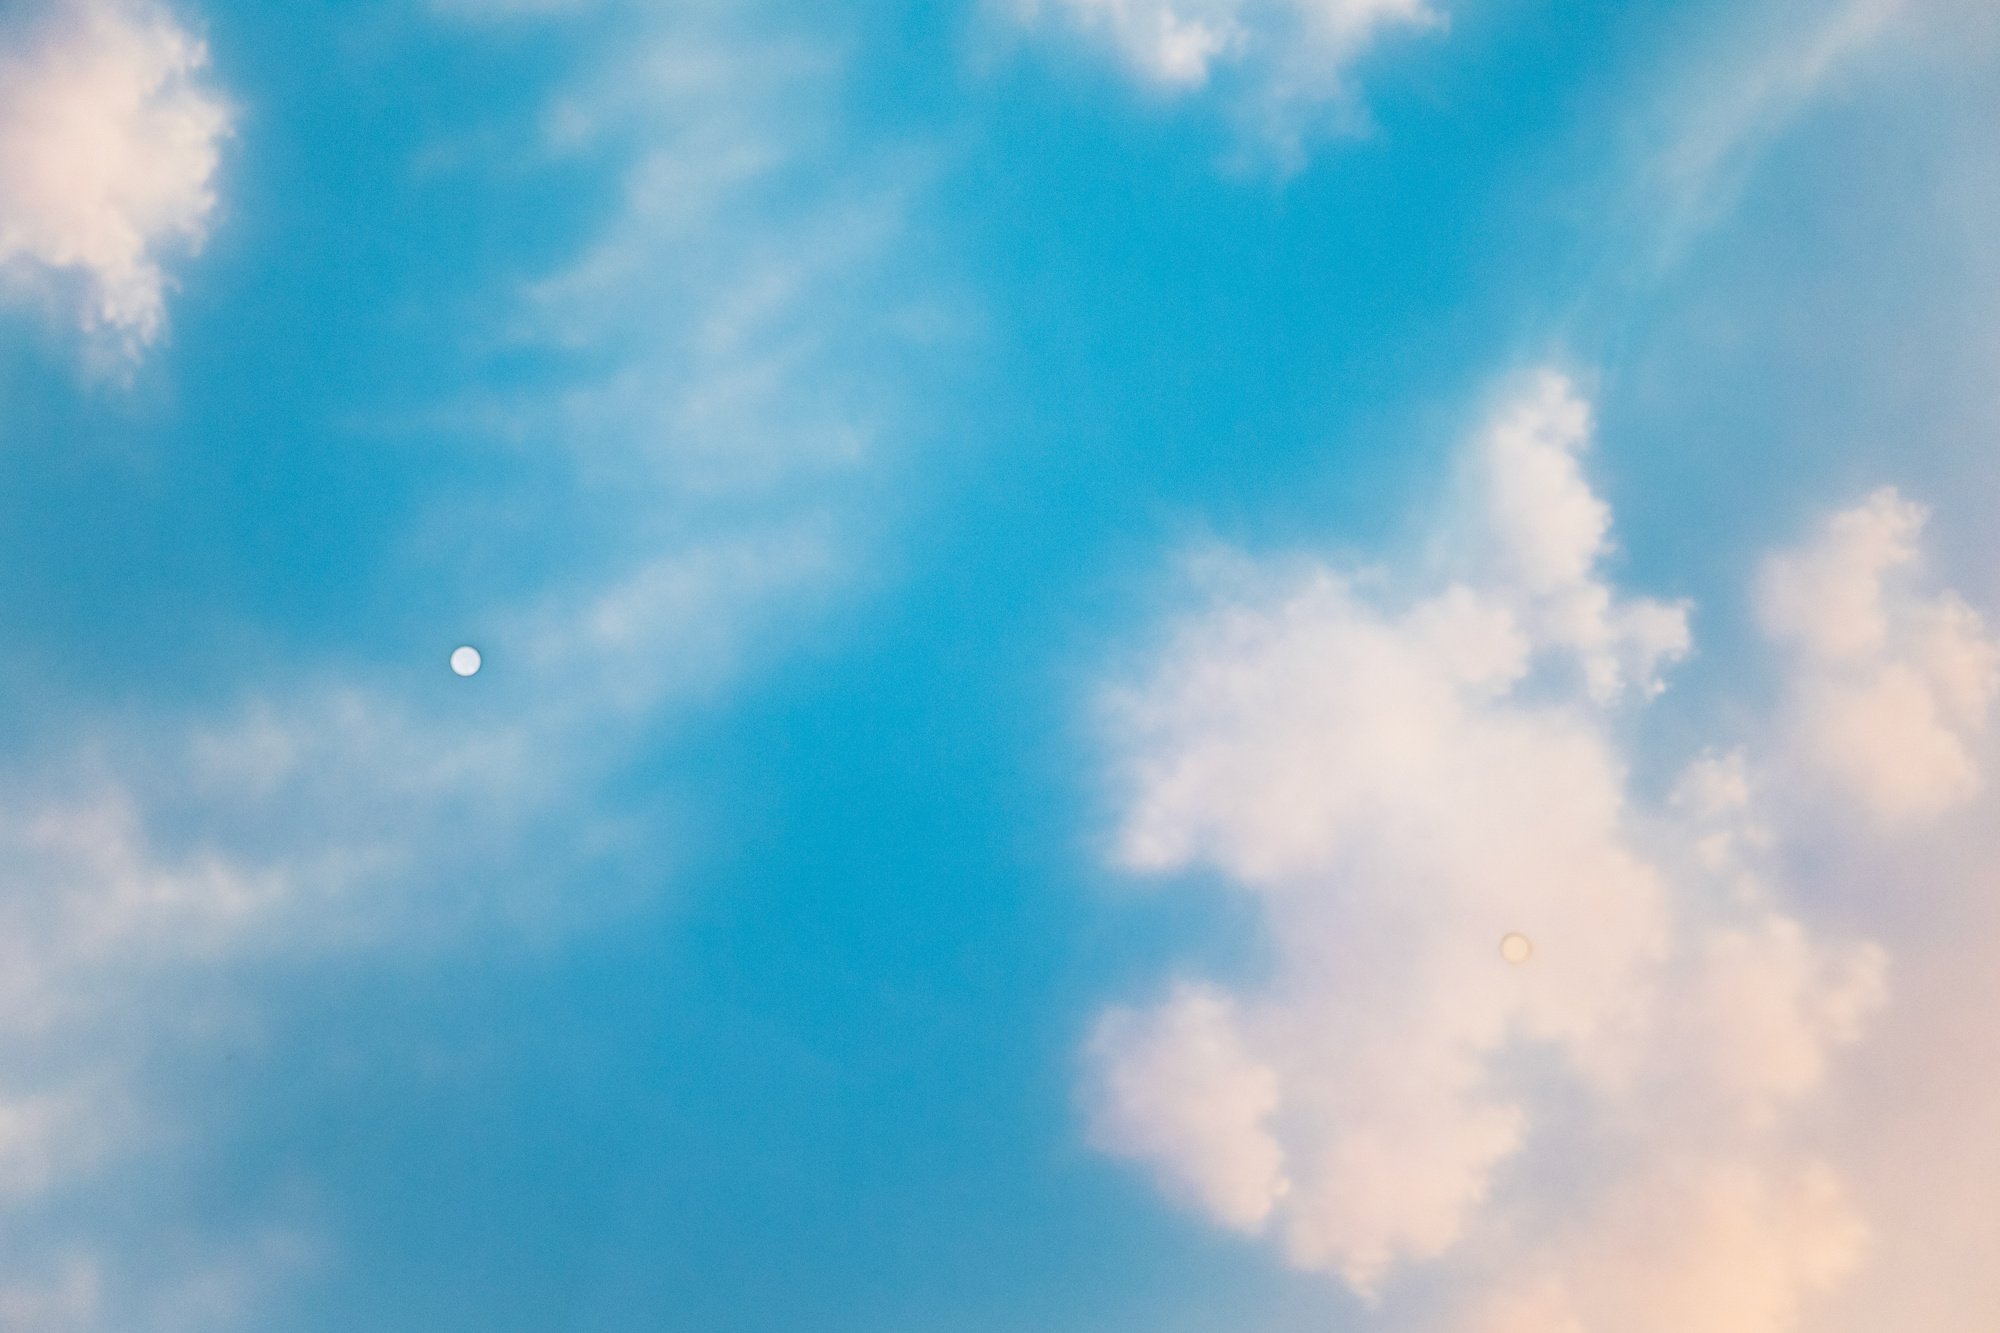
1546, 533
1603, 1137
1891, 687
1181, 1090
110, 137
1286, 62
1721, 1247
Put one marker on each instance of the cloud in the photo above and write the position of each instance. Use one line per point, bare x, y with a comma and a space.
78, 1292
1760, 74
141, 873
67, 1298
1607, 1136
1729, 1248
110, 136
1285, 63
1744, 100
731, 321
1891, 688
712, 412
1546, 533
511, 10
1181, 1090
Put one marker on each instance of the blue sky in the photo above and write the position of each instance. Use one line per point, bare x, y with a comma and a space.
1052, 578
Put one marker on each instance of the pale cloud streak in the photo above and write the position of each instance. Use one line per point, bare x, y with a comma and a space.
79, 1292
1741, 104
333, 816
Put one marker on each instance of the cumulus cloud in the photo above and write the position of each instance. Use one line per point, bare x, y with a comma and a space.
1607, 1136
1546, 533
1286, 62
1725, 1247
1891, 686
1209, 1131
110, 135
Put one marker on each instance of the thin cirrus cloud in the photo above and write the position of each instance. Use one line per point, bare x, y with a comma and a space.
786, 295
1745, 85
1743, 100
110, 138
1614, 1134
141, 874
1284, 66
717, 411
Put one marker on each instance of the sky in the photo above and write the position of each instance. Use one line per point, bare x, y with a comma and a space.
1053, 578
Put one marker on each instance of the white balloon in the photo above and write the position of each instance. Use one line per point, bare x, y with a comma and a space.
465, 661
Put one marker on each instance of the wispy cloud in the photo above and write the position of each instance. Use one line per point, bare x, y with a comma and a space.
729, 316
1283, 66
78, 1292
1751, 82
711, 400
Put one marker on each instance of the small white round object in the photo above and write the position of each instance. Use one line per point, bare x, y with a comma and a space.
465, 660
1516, 948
